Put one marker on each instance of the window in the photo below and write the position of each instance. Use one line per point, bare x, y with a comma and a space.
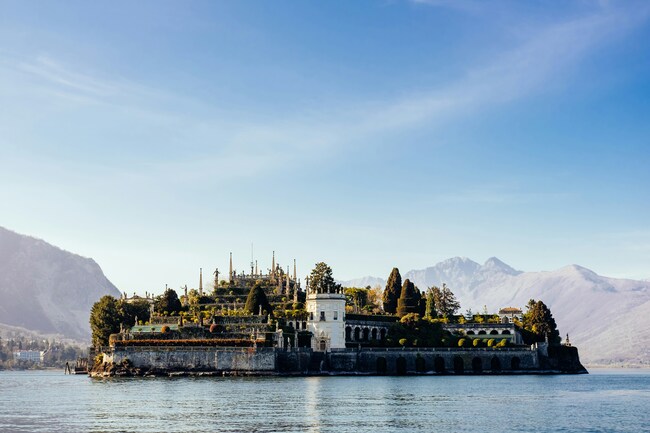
322, 315
336, 315
311, 315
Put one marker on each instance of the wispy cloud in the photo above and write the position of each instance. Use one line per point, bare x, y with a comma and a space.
547, 53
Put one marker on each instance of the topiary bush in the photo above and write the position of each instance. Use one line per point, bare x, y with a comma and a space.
490, 342
403, 341
164, 329
476, 342
461, 342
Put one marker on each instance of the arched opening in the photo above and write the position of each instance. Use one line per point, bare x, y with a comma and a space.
374, 333
515, 363
494, 332
323, 345
439, 364
366, 334
357, 334
459, 366
505, 320
495, 364
381, 365
482, 332
348, 333
470, 332
382, 334
477, 365
400, 366
506, 332
420, 364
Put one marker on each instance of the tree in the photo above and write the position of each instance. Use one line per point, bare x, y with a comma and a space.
430, 310
356, 298
445, 301
409, 299
256, 299
321, 280
539, 320
104, 320
168, 302
392, 292
128, 311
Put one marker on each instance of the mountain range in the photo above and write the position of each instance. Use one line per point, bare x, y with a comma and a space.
46, 289
605, 317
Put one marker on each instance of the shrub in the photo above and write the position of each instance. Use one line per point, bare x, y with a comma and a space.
403, 341
476, 342
502, 343
490, 342
461, 342
213, 328
164, 329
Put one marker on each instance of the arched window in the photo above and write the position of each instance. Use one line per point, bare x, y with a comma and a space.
459, 365
506, 332
477, 365
439, 364
494, 332
401, 365
482, 332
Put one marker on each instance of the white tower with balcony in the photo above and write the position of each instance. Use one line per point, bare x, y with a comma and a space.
326, 309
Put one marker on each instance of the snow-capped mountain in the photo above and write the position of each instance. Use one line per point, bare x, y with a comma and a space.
46, 289
605, 317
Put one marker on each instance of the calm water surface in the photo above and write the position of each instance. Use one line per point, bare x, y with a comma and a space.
604, 401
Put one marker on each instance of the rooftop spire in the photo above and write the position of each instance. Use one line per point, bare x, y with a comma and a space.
201, 281
273, 266
230, 274
294, 270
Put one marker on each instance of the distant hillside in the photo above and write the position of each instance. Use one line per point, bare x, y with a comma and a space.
364, 282
603, 316
46, 289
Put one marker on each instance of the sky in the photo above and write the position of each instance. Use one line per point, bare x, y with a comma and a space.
158, 136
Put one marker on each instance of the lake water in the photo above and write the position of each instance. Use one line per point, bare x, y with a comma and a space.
604, 401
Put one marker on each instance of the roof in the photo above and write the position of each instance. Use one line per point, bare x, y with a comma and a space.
509, 310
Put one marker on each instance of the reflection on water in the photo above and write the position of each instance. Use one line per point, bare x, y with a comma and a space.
52, 402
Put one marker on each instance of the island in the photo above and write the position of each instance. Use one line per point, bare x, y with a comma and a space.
266, 323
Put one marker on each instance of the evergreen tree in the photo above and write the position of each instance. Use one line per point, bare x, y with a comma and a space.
256, 299
168, 302
430, 308
104, 320
321, 280
409, 300
445, 301
539, 320
392, 292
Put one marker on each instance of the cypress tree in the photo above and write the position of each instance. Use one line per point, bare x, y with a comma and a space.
409, 299
256, 298
392, 292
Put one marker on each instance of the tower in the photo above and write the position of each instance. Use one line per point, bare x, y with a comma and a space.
273, 268
326, 321
294, 271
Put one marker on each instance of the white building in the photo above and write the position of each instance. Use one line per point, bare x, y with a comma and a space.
326, 319
29, 355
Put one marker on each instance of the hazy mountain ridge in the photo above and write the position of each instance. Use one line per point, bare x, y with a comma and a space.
46, 289
602, 315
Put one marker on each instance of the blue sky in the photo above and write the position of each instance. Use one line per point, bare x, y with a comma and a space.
156, 137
